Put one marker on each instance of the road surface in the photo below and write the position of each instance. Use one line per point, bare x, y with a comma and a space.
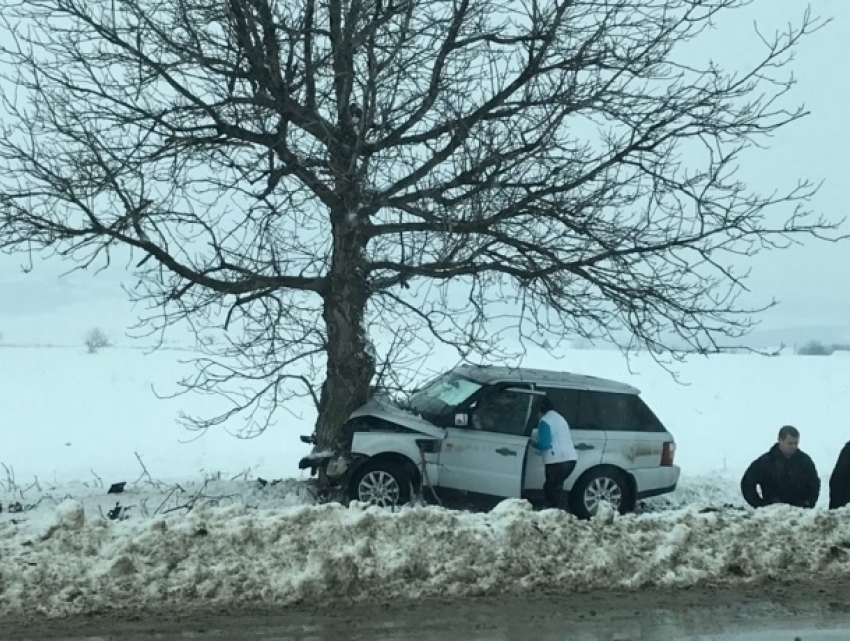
755, 613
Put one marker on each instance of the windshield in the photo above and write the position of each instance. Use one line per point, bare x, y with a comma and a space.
445, 392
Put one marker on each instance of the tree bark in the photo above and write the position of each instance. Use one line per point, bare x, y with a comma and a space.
350, 363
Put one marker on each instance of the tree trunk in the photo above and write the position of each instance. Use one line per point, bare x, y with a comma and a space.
350, 363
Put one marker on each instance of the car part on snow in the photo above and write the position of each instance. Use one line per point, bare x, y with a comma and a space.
116, 488
314, 460
118, 513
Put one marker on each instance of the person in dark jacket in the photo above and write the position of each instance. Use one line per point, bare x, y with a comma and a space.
785, 474
839, 481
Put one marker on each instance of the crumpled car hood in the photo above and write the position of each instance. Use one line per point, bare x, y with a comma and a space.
389, 411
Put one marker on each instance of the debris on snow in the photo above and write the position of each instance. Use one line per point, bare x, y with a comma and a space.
118, 513
117, 488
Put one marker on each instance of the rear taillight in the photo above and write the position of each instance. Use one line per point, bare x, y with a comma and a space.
668, 453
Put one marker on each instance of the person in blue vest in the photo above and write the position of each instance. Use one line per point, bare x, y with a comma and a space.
553, 439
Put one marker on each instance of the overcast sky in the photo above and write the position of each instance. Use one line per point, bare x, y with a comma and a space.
811, 282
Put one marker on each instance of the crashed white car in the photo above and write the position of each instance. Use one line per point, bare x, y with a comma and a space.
468, 432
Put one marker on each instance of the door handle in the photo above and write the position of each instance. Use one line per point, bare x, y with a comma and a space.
504, 451
584, 446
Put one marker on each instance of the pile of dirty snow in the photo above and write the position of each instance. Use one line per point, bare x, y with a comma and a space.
237, 555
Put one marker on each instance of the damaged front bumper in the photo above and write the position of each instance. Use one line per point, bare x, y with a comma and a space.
333, 466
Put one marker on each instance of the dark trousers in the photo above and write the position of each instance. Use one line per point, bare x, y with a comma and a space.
553, 488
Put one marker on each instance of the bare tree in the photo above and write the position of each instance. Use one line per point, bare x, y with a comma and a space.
816, 348
95, 340
312, 174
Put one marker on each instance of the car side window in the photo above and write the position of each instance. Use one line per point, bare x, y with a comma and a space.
591, 415
565, 402
503, 412
616, 412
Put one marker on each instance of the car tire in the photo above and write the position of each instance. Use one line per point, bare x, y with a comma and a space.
381, 483
603, 483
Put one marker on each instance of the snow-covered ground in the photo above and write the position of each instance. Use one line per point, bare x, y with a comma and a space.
72, 424
229, 556
69, 416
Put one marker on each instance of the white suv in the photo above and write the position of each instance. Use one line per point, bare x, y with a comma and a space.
468, 431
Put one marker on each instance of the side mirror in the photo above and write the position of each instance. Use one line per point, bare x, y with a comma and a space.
461, 419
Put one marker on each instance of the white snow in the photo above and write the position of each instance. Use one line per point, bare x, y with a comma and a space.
73, 424
69, 514
288, 555
68, 416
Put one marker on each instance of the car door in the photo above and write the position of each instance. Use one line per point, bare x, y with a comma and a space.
635, 436
588, 436
488, 454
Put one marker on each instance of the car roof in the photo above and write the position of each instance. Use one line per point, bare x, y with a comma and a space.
488, 374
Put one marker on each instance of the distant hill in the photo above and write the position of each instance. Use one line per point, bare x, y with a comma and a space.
758, 339
791, 336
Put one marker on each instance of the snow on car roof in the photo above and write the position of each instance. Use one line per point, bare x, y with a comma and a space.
488, 374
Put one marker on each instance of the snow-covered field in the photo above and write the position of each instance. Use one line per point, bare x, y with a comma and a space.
74, 423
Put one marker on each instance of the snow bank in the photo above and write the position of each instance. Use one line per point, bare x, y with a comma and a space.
238, 555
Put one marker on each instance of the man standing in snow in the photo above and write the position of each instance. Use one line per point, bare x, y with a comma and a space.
839, 481
552, 437
785, 474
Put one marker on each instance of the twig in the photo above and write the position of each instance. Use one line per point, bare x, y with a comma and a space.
11, 486
242, 475
32, 485
46, 497
171, 493
313, 491
200, 496
191, 503
215, 501
146, 475
97, 480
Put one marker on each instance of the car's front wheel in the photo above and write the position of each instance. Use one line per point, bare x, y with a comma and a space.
592, 489
381, 483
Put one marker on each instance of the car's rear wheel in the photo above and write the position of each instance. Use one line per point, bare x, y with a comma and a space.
381, 483
592, 489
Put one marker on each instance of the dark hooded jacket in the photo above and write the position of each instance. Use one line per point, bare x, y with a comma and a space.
839, 482
792, 480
